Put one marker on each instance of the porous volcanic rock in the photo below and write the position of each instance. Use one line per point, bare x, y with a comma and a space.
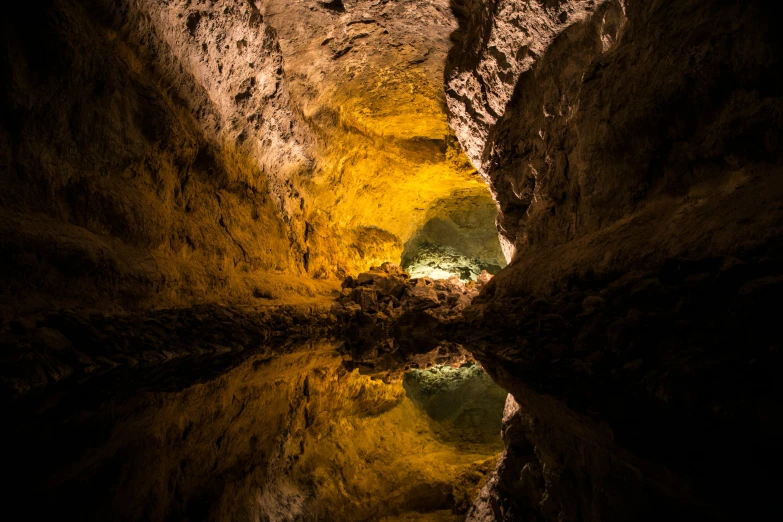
368, 78
147, 150
634, 151
437, 261
161, 154
465, 223
578, 122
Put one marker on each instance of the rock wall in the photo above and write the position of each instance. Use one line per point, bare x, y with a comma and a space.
146, 155
464, 225
368, 77
634, 151
578, 121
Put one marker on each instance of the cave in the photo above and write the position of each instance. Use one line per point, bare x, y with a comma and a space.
393, 260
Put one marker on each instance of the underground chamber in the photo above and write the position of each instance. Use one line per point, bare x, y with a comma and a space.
355, 260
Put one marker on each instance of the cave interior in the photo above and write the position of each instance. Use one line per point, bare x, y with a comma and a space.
394, 260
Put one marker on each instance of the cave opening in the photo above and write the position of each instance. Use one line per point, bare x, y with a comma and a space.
459, 238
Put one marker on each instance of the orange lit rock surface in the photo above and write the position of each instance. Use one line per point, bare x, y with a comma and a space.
180, 152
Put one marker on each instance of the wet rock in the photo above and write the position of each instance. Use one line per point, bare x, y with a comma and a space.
631, 370
642, 272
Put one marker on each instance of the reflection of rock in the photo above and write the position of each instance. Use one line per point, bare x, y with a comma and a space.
636, 165
73, 344
287, 434
465, 399
389, 321
637, 382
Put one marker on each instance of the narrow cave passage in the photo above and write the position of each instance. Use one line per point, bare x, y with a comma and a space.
459, 239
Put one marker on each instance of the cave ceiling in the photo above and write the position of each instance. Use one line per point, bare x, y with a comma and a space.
368, 78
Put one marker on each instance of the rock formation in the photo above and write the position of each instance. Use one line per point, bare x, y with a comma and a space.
146, 156
634, 150
207, 204
456, 225
166, 153
392, 323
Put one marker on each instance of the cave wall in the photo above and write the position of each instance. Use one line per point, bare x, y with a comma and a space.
144, 163
462, 222
634, 151
578, 121
368, 78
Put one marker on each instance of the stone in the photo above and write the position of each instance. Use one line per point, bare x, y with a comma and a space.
52, 339
484, 277
168, 165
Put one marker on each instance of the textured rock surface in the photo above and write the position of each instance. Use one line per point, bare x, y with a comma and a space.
634, 150
462, 225
171, 153
465, 400
589, 124
166, 153
439, 262
368, 78
137, 165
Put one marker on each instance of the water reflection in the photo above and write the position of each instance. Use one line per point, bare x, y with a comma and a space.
285, 434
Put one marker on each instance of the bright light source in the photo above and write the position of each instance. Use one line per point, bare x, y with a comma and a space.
434, 273
439, 262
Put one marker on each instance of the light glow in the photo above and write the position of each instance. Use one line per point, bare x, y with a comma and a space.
432, 273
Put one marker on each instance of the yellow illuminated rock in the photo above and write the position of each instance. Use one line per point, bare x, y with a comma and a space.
369, 82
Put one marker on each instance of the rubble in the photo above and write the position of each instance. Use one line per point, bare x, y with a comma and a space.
392, 322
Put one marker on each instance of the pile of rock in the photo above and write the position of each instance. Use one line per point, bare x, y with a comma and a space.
392, 322
387, 292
